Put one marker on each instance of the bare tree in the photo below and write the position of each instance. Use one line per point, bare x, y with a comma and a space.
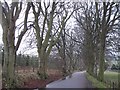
48, 30
97, 19
10, 14
85, 21
107, 24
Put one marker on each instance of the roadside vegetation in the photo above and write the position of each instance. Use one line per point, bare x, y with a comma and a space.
95, 82
110, 78
66, 36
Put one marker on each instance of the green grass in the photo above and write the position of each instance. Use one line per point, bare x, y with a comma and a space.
95, 82
108, 76
111, 76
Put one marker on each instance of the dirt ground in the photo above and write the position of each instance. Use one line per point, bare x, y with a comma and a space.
37, 83
26, 78
31, 80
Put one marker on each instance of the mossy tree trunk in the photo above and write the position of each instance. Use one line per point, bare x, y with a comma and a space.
102, 56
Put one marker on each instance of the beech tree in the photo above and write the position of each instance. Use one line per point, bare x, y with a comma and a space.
10, 14
97, 20
48, 28
107, 24
86, 22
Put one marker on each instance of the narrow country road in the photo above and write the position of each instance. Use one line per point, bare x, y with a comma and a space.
78, 80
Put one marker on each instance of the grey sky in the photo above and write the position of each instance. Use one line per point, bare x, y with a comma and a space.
23, 45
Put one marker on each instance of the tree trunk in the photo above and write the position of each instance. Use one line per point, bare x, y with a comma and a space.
6, 54
9, 59
101, 66
102, 55
2, 57
11, 69
90, 55
42, 69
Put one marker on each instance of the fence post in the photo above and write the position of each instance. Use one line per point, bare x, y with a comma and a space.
110, 84
118, 84
113, 86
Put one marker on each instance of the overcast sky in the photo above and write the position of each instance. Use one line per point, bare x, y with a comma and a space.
23, 44
23, 48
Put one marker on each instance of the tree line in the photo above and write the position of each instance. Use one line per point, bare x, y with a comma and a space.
88, 43
98, 21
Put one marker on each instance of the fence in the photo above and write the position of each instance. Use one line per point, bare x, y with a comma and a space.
111, 84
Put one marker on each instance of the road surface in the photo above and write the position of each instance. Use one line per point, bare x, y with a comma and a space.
78, 80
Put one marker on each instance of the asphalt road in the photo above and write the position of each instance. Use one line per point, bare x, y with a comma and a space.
78, 80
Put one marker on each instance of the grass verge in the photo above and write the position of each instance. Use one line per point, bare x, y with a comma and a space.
95, 82
111, 76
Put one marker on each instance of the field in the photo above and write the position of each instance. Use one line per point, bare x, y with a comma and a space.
112, 79
95, 82
111, 76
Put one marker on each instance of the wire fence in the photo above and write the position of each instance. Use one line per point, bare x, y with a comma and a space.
112, 84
